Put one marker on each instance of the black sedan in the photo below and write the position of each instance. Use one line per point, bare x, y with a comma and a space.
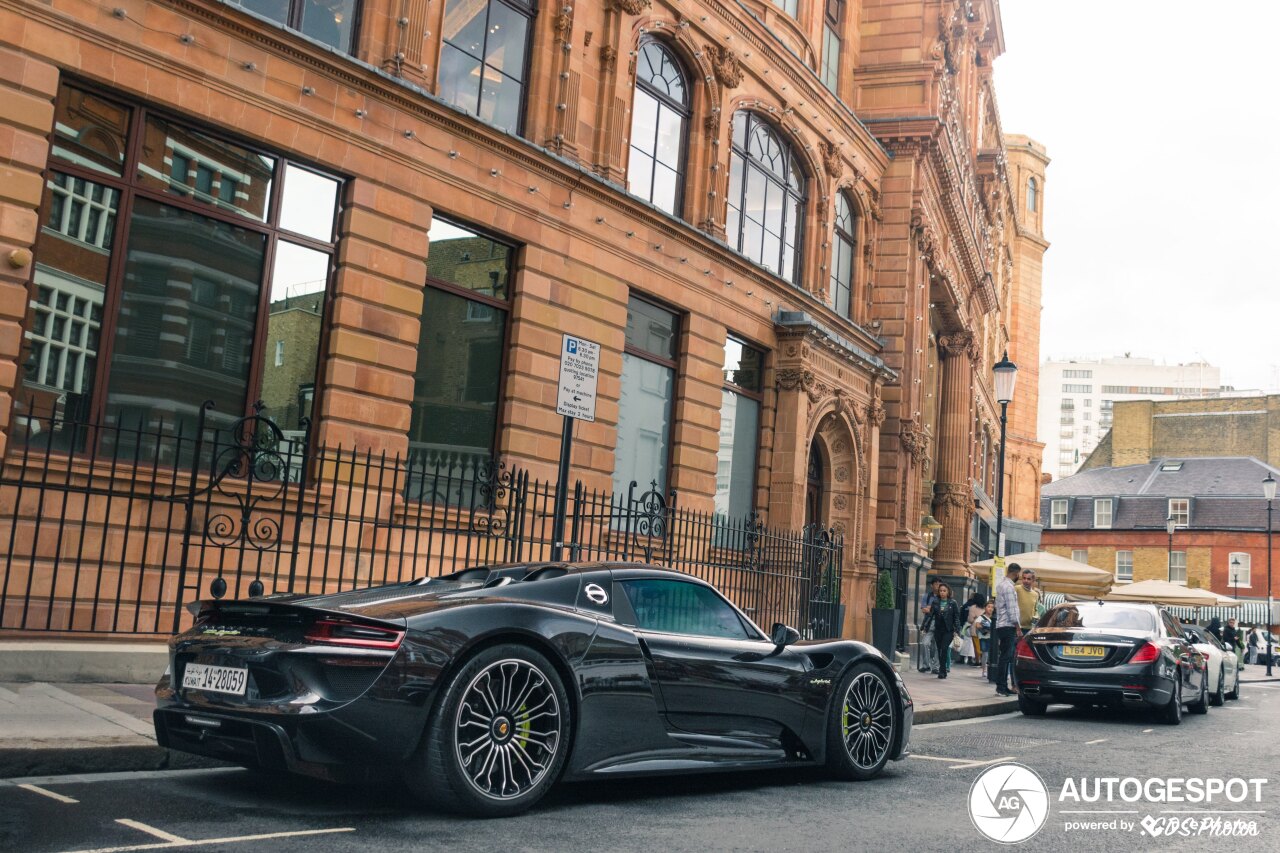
484, 687
1122, 654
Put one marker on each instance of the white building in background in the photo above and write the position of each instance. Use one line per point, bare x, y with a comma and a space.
1076, 396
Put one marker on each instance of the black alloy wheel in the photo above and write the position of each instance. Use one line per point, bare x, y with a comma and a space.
1172, 712
1201, 705
863, 723
498, 738
1218, 697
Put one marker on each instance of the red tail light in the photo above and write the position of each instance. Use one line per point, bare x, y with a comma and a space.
337, 633
1024, 650
1146, 654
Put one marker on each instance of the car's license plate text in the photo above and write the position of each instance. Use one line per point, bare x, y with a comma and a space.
1083, 651
216, 679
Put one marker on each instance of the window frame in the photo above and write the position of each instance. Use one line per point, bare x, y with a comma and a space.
757, 396
1033, 195
832, 23
527, 8
129, 187
1053, 513
1184, 513
470, 296
794, 162
1078, 551
840, 235
1123, 578
293, 23
1246, 566
1110, 513
1183, 580
685, 111
678, 331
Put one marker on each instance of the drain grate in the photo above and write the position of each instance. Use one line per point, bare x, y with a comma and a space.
977, 745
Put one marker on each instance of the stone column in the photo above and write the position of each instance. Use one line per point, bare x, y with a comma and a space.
953, 494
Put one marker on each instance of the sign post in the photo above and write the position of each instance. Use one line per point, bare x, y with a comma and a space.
576, 400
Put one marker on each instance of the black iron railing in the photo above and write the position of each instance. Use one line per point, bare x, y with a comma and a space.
111, 528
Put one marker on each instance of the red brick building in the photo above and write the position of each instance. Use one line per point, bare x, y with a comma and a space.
795, 233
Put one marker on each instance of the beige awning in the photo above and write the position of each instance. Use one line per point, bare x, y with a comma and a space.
1057, 574
1163, 592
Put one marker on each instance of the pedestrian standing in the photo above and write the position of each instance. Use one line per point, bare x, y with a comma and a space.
1028, 601
947, 621
970, 612
1215, 627
1007, 631
1251, 646
986, 645
1233, 637
927, 657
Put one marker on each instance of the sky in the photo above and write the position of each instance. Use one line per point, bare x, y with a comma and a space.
1162, 119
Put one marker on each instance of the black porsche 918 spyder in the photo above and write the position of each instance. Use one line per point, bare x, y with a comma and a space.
486, 686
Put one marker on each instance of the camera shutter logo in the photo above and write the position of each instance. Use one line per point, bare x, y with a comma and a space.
1009, 803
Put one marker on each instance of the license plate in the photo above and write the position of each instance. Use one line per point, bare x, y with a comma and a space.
1084, 651
215, 679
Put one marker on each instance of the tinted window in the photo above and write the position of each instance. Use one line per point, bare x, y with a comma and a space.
679, 607
1098, 616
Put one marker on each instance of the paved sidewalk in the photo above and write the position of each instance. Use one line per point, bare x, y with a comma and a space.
962, 694
49, 729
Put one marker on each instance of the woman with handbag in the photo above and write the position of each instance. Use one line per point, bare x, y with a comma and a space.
946, 624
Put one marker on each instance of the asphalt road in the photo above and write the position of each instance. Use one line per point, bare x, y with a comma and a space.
920, 804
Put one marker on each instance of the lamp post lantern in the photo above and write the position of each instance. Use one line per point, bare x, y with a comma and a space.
1169, 525
1269, 492
1006, 376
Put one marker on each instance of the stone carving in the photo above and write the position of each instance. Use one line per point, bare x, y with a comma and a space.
831, 158
632, 7
842, 474
608, 57
562, 24
876, 413
726, 65
711, 124
841, 503
962, 342
915, 441
794, 377
840, 446
954, 501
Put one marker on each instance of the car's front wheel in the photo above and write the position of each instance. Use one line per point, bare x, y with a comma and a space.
1218, 697
499, 737
863, 723
1235, 692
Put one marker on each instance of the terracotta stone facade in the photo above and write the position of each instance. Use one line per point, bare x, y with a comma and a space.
891, 397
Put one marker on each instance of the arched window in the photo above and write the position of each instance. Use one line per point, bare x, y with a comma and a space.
659, 126
1032, 193
842, 255
766, 197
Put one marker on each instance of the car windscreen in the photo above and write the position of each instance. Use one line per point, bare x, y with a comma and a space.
1095, 616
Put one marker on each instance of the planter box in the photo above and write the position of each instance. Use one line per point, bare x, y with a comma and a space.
884, 630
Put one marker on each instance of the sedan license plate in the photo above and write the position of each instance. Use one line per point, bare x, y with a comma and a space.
215, 679
1084, 651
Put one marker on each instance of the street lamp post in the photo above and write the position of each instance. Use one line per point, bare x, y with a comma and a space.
1006, 376
1169, 525
1269, 492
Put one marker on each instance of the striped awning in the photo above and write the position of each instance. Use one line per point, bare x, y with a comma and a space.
1246, 613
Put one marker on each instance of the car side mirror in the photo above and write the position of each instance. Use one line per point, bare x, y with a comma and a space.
782, 635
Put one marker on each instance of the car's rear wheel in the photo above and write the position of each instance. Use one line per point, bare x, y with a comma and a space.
863, 724
1030, 707
1201, 705
1172, 713
1218, 697
499, 737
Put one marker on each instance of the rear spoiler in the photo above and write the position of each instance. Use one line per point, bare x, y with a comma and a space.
265, 607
